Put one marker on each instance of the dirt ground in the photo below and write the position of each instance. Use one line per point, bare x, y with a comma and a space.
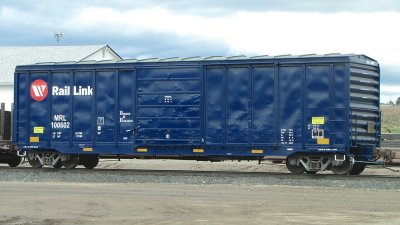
101, 204
53, 202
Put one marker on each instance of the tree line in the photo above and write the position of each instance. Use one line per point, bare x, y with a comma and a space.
394, 103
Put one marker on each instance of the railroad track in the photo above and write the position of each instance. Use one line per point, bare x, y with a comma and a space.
390, 144
125, 173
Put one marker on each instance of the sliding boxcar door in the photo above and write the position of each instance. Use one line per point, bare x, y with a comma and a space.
105, 105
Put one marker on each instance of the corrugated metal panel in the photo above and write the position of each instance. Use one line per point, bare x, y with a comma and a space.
364, 104
168, 105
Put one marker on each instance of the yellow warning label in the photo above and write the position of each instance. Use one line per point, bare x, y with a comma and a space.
198, 150
141, 149
38, 130
33, 139
257, 151
323, 141
318, 120
87, 149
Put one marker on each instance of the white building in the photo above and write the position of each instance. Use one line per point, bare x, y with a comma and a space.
10, 57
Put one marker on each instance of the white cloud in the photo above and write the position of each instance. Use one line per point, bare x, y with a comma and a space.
389, 93
390, 89
271, 33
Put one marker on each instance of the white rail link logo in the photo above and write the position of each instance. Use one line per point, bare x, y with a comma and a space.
39, 90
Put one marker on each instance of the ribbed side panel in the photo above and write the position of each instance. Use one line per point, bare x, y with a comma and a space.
364, 104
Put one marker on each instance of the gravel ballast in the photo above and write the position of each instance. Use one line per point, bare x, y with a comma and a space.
201, 173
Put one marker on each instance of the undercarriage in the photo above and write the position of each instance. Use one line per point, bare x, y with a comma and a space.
338, 163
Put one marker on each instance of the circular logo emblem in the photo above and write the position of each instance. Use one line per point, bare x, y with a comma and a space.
39, 90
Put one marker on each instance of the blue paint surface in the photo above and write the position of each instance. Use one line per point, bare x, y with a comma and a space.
228, 108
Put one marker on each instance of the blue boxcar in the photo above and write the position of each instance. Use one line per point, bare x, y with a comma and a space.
319, 111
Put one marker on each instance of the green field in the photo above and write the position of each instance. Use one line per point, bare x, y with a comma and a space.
390, 119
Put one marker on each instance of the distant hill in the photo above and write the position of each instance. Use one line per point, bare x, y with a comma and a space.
390, 119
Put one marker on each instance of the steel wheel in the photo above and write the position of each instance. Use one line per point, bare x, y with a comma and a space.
89, 161
293, 167
34, 161
345, 168
14, 161
357, 168
70, 161
58, 165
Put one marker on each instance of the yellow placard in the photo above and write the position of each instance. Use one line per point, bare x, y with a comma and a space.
319, 120
38, 130
33, 139
87, 149
198, 150
141, 149
323, 141
257, 151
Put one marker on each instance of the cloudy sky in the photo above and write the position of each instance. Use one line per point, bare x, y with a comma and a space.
161, 28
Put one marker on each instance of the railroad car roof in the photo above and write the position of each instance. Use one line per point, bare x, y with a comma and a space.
331, 57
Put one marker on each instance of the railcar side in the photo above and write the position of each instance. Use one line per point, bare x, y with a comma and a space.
318, 111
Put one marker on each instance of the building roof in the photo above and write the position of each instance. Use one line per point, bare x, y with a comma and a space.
10, 57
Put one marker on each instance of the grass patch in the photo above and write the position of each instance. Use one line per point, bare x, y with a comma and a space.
390, 119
